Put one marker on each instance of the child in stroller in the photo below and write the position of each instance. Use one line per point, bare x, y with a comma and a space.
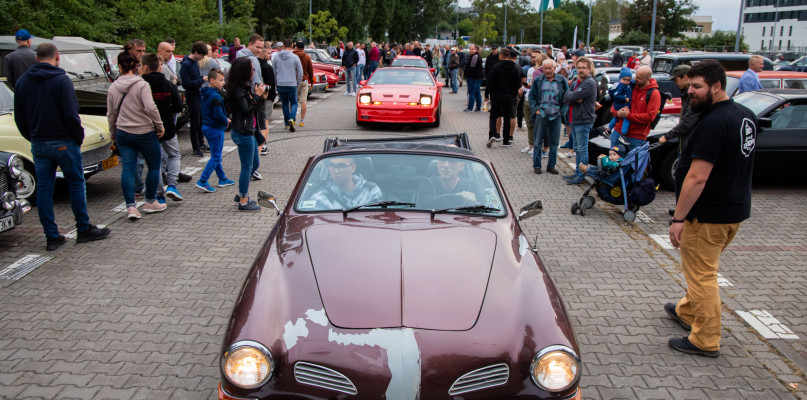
623, 184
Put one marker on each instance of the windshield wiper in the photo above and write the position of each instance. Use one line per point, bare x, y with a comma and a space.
90, 72
75, 74
477, 208
382, 204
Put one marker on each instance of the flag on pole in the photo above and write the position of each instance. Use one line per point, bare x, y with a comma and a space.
545, 4
574, 44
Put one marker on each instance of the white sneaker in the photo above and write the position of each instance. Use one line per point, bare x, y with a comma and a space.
531, 152
133, 213
353, 94
526, 149
154, 207
257, 175
346, 94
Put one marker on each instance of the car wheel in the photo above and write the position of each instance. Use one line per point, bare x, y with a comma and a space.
436, 123
27, 188
667, 169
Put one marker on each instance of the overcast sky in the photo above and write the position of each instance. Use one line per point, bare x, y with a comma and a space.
724, 13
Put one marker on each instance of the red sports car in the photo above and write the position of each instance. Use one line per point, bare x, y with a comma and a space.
399, 95
399, 271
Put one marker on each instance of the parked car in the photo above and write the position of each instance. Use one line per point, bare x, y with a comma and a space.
799, 65
378, 302
545, 48
769, 80
107, 53
323, 62
400, 95
664, 64
13, 208
82, 64
96, 152
781, 141
788, 56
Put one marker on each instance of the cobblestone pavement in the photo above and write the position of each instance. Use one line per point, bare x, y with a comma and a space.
141, 315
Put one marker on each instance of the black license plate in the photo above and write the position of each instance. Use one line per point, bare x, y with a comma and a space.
6, 223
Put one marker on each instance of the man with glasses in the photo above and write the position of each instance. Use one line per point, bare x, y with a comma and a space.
346, 189
450, 186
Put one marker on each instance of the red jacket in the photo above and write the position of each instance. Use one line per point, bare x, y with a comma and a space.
642, 112
308, 68
374, 54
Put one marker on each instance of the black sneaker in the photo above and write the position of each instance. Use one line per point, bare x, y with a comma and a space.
685, 346
204, 147
671, 212
184, 177
537, 171
670, 309
198, 153
54, 243
94, 233
552, 170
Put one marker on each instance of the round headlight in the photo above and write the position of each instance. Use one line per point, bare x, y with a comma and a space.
426, 100
364, 99
9, 201
247, 364
555, 368
15, 166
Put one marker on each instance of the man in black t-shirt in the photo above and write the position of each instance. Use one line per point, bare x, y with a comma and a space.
713, 191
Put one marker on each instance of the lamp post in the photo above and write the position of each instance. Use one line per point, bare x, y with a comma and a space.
310, 21
653, 28
542, 22
221, 21
739, 25
588, 33
505, 22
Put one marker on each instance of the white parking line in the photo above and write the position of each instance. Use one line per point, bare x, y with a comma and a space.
191, 170
767, 325
122, 206
723, 282
72, 234
228, 149
663, 241
204, 160
643, 217
23, 266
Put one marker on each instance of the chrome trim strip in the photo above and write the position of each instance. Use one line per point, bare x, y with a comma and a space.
482, 378
323, 377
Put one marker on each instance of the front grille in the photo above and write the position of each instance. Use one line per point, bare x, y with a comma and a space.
3, 182
483, 378
96, 155
319, 376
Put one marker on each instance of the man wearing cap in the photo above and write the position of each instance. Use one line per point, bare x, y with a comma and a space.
688, 118
18, 61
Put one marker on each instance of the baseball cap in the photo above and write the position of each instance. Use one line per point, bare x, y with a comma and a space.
279, 44
22, 34
679, 71
495, 46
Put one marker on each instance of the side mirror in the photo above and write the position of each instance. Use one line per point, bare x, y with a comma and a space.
431, 70
266, 199
530, 210
440, 84
765, 122
361, 83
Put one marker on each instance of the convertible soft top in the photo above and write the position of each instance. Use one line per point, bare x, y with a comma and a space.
455, 143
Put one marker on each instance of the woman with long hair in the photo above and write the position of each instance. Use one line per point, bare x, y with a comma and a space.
135, 126
244, 102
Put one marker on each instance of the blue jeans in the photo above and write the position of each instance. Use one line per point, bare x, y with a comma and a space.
580, 134
474, 94
360, 72
130, 145
248, 154
288, 101
215, 138
453, 74
625, 125
546, 130
632, 143
350, 79
65, 154
371, 67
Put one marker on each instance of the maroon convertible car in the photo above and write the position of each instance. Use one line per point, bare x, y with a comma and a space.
398, 270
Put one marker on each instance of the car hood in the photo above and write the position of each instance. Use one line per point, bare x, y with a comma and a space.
372, 277
398, 92
96, 131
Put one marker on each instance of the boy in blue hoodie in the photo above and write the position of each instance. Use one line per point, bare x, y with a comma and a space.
621, 95
214, 122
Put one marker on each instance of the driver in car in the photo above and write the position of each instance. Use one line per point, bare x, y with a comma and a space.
346, 189
448, 185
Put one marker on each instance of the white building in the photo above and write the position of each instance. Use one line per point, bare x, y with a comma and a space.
775, 24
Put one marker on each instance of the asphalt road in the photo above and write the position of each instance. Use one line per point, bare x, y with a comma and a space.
141, 314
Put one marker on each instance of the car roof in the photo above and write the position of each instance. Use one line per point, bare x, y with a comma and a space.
81, 40
408, 57
705, 54
451, 143
10, 43
788, 94
771, 74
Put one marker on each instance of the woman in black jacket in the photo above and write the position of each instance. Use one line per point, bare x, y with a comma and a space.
244, 106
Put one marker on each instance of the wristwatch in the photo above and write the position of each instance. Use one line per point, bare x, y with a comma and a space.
676, 221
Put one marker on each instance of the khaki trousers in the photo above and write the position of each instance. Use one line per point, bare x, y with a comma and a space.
701, 246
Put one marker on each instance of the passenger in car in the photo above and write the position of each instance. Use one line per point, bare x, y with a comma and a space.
448, 182
346, 188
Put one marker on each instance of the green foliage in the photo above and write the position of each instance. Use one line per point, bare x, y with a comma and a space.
633, 37
324, 27
466, 26
672, 17
485, 29
600, 43
717, 38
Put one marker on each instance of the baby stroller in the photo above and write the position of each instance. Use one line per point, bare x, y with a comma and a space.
628, 179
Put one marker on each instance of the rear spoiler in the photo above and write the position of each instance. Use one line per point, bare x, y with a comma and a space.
452, 141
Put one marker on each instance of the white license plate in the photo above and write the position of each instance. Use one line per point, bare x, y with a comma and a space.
6, 223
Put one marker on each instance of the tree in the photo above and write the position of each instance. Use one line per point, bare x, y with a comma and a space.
672, 17
325, 27
633, 37
466, 26
485, 29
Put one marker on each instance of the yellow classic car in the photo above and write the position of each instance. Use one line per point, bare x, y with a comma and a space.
96, 152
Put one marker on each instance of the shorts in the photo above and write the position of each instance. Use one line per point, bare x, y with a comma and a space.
267, 109
261, 119
302, 92
516, 100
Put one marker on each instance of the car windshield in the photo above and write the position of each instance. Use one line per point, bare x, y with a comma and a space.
756, 102
324, 56
403, 182
81, 64
409, 62
401, 76
732, 83
6, 98
662, 65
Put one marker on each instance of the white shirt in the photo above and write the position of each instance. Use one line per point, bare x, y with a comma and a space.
362, 57
646, 60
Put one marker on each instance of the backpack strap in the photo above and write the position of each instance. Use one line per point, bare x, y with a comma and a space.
649, 94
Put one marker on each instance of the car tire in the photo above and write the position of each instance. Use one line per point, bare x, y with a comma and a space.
436, 123
666, 169
27, 181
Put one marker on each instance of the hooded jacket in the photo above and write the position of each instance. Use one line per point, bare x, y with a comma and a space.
688, 119
308, 67
288, 69
166, 98
45, 106
256, 66
137, 114
642, 111
213, 116
350, 58
190, 76
583, 112
504, 79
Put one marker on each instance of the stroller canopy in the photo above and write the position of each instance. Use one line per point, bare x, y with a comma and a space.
636, 162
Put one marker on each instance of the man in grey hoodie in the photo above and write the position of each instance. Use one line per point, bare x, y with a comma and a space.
288, 75
581, 98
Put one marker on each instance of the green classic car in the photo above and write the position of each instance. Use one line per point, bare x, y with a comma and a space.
96, 152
